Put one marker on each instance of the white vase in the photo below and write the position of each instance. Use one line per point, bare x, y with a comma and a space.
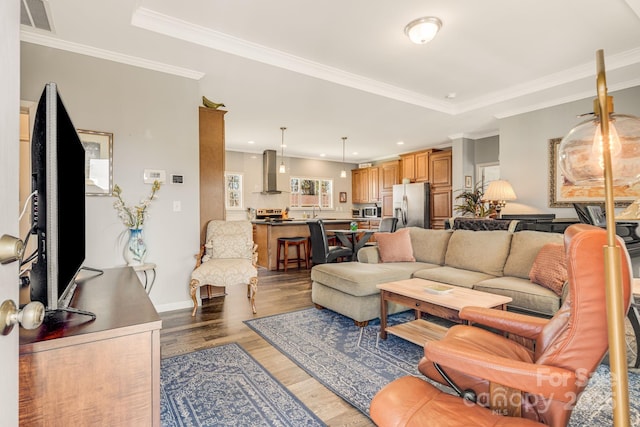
135, 251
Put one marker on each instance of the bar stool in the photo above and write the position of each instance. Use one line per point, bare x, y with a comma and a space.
285, 242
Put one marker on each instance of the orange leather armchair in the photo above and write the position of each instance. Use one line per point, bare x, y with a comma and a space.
549, 375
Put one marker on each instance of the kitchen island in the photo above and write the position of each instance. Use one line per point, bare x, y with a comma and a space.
267, 232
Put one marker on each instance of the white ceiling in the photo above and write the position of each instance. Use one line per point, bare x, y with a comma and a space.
333, 68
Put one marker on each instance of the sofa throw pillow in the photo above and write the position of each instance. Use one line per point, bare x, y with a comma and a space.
395, 247
549, 269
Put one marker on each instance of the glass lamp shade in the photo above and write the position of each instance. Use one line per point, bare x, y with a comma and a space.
580, 152
423, 30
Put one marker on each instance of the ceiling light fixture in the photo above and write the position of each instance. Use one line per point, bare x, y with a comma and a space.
343, 172
423, 30
282, 169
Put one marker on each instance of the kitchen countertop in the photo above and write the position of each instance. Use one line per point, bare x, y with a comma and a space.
300, 221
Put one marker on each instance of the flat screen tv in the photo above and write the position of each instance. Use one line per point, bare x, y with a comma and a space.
58, 207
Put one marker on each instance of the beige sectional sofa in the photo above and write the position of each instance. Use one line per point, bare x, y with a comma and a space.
492, 261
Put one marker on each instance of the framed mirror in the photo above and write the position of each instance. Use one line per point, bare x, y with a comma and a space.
98, 148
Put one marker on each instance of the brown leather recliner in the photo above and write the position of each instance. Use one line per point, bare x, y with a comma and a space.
567, 348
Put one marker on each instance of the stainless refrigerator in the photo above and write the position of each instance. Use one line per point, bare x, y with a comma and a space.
411, 205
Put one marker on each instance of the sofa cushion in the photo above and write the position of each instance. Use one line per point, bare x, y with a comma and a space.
452, 276
526, 295
429, 245
395, 247
550, 268
524, 248
359, 279
482, 251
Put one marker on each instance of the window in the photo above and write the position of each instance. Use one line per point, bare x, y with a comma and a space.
308, 192
233, 190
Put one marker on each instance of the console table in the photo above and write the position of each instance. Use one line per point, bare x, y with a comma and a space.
74, 371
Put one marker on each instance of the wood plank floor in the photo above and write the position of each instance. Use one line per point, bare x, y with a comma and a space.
219, 321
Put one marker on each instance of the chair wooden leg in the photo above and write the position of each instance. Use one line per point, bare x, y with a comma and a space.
253, 285
194, 285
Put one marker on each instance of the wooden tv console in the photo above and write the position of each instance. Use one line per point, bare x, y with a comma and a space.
100, 372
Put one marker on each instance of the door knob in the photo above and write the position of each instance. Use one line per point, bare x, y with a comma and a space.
30, 317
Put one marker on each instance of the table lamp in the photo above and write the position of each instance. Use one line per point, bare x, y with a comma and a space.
605, 151
498, 193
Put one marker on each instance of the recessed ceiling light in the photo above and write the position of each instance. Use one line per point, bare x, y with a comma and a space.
400, 143
251, 142
322, 155
355, 153
451, 95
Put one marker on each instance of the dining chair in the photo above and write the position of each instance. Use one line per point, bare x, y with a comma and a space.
321, 252
387, 225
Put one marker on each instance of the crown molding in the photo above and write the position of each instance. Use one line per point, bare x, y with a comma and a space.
56, 43
203, 36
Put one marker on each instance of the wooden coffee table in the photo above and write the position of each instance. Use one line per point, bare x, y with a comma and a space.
412, 293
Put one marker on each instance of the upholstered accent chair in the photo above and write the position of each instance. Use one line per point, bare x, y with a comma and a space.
548, 375
229, 257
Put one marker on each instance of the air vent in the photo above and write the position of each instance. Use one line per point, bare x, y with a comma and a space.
35, 14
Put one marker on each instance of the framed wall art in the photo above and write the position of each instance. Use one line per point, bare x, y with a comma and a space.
563, 193
98, 156
343, 197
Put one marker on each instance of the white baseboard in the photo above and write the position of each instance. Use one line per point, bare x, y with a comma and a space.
174, 306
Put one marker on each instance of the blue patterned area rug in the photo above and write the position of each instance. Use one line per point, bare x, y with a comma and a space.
225, 386
331, 348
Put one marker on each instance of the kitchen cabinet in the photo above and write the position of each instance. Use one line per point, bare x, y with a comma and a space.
440, 178
360, 185
408, 162
374, 184
389, 175
365, 185
415, 166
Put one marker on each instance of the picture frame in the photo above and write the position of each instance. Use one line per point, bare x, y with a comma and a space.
563, 193
468, 181
343, 197
98, 147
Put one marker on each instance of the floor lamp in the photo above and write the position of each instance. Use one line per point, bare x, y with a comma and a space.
605, 151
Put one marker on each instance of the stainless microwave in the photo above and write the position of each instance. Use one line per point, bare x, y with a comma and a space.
372, 212
356, 213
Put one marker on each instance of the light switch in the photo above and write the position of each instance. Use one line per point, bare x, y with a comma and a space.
177, 206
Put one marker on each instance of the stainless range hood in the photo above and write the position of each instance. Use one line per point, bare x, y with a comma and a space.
269, 173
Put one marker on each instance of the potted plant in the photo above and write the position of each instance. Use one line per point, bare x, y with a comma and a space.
472, 204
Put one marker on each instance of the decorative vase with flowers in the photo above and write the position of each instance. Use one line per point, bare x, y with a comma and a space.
133, 218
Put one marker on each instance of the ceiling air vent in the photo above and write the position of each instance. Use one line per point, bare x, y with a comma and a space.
35, 14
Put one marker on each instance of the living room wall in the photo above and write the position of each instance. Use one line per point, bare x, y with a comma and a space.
524, 146
154, 119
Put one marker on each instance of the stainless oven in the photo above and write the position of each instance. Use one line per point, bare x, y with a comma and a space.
356, 213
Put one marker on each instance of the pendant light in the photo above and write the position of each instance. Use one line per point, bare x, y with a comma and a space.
282, 169
343, 172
